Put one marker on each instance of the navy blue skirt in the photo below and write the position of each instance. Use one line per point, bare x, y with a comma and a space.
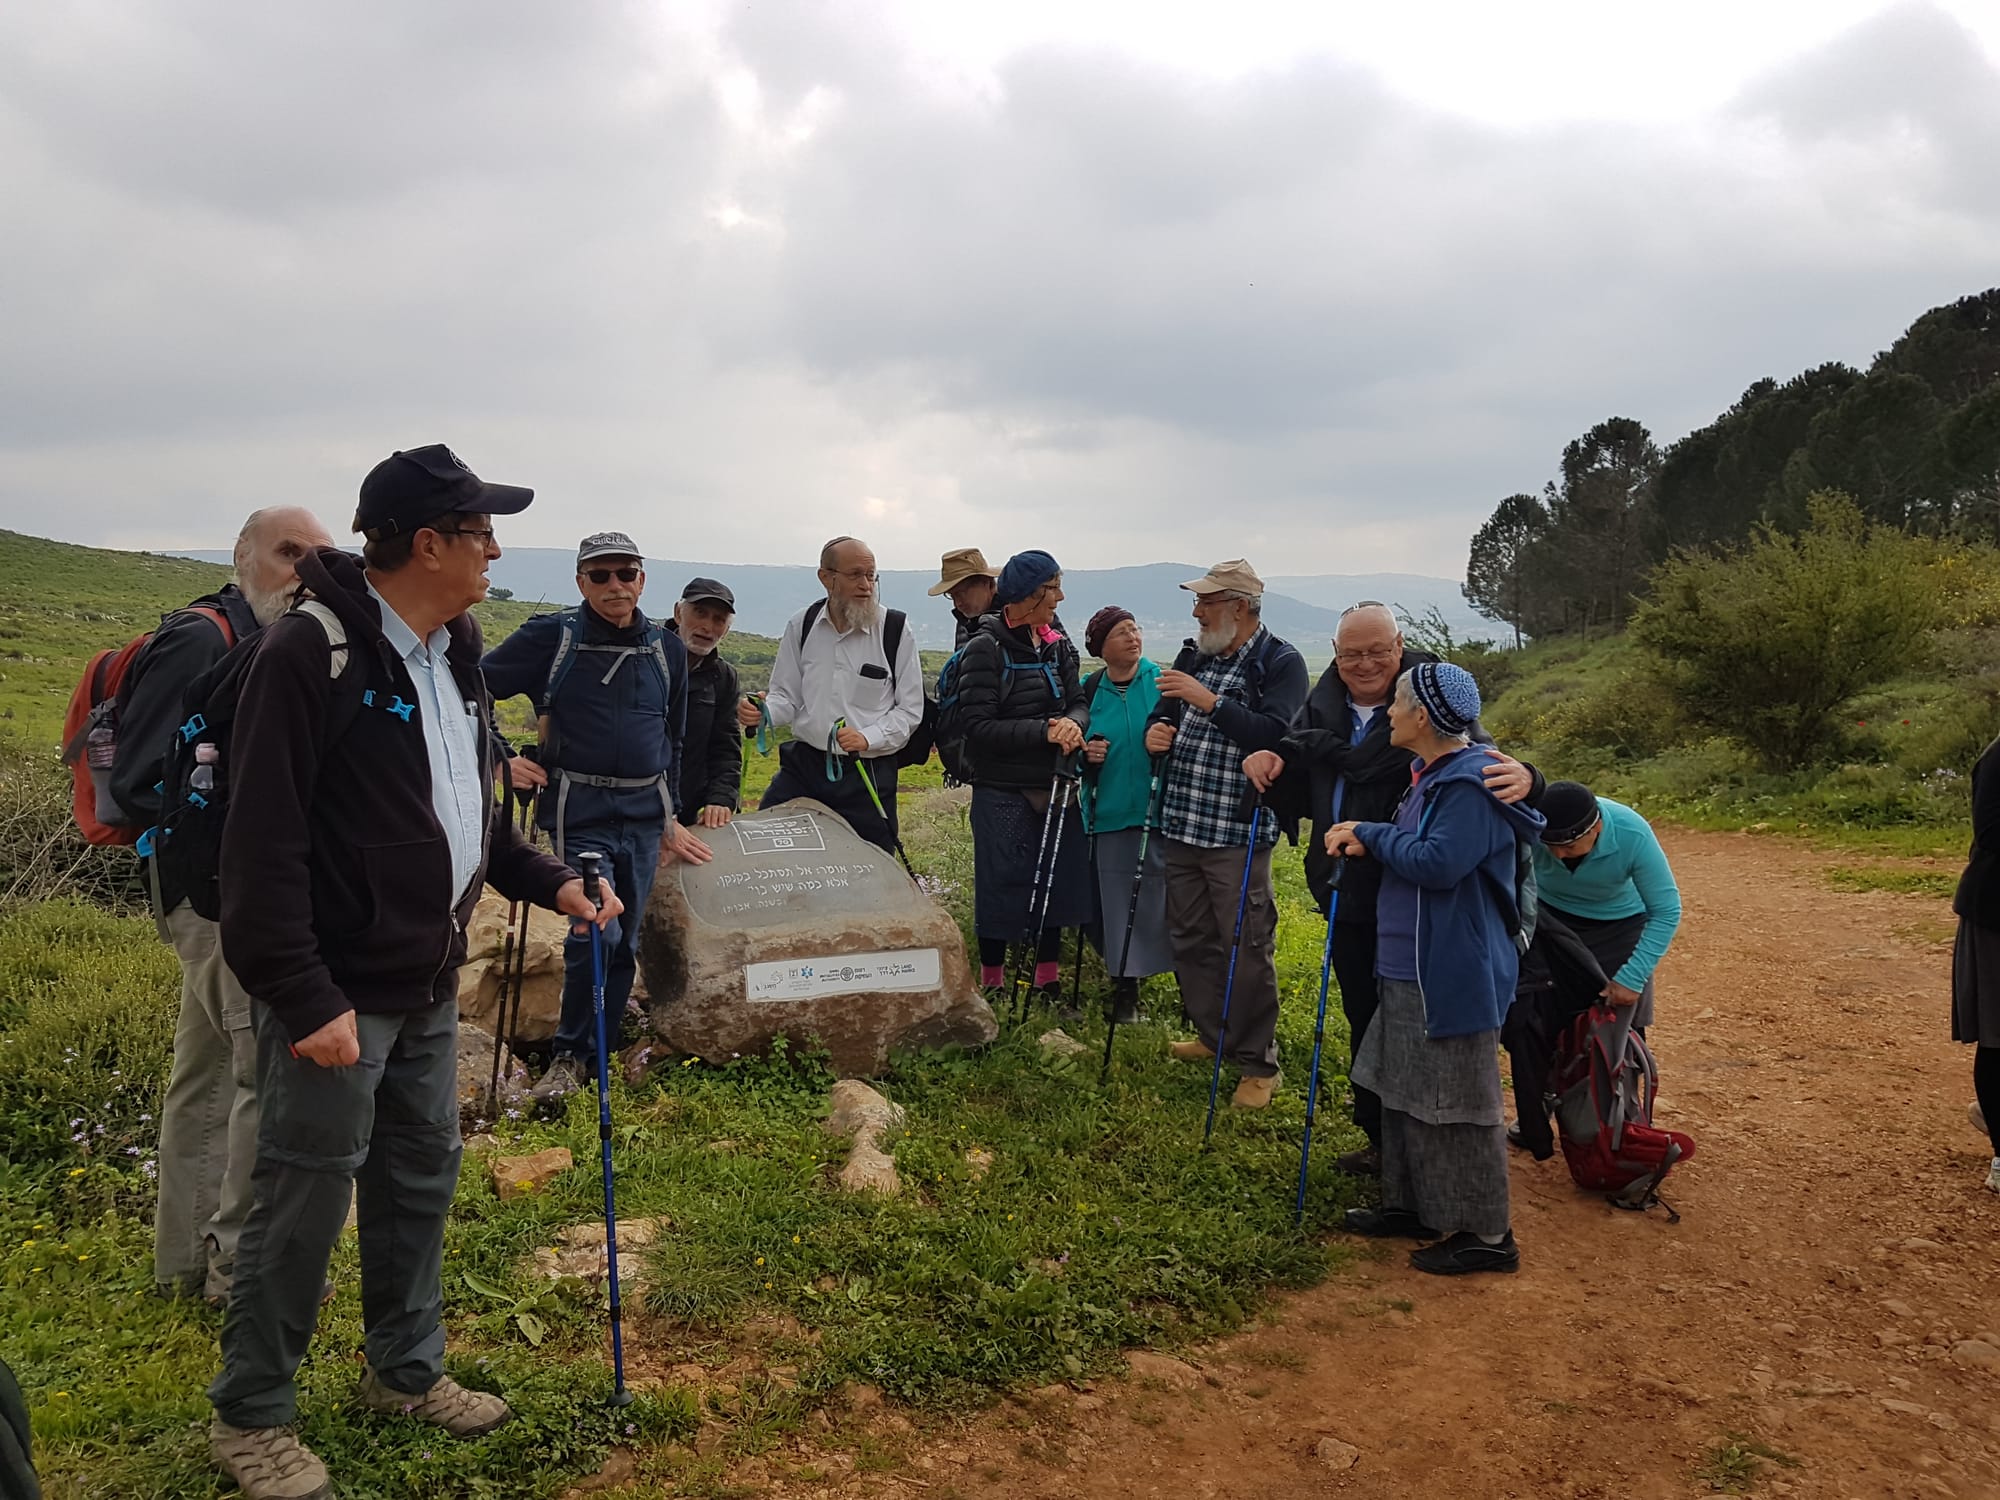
1006, 839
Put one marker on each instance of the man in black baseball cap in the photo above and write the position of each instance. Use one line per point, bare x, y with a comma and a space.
414, 486
712, 751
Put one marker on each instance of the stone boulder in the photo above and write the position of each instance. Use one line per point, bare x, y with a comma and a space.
475, 1074
799, 928
542, 979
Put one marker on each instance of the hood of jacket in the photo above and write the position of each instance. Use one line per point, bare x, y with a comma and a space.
1470, 765
339, 580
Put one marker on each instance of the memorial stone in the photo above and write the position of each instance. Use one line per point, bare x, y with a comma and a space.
800, 928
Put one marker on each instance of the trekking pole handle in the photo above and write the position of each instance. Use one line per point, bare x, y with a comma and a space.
1339, 869
591, 864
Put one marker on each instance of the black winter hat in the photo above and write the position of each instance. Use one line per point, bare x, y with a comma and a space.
1571, 810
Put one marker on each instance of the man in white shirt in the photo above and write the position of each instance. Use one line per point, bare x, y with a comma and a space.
850, 684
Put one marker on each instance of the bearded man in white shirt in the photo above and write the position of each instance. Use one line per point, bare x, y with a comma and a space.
850, 684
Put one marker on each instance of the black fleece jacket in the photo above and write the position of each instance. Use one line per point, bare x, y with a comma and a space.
1317, 752
711, 767
335, 873
1978, 898
1009, 686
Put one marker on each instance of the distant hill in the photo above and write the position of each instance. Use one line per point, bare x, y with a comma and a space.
1303, 608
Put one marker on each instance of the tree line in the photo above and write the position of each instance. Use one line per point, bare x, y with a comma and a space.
1914, 441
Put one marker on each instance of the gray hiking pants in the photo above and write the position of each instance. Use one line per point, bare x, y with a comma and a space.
1202, 890
208, 1120
386, 1130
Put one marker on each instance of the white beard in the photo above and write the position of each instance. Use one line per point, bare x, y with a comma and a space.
1214, 642
850, 614
269, 605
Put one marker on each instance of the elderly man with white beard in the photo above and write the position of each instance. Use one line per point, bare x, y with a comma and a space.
1233, 689
849, 682
208, 1119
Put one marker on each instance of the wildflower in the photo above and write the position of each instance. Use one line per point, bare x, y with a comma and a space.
76, 1171
795, 1239
150, 1168
27, 1244
83, 1257
760, 1260
60, 1395
425, 1454
767, 1286
143, 1119
131, 1150
630, 1428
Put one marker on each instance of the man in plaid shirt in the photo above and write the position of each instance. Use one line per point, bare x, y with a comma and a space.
1233, 689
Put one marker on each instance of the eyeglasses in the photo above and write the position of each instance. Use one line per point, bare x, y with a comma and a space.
1377, 656
602, 576
855, 575
484, 533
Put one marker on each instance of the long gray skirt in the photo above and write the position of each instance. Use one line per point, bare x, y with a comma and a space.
1975, 985
1444, 1135
1117, 860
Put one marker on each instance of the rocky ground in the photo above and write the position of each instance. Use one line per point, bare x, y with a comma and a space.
1824, 1320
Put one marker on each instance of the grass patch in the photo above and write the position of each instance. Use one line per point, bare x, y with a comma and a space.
1733, 1465
1939, 883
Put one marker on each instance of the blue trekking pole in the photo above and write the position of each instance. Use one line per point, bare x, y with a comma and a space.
1319, 1035
1235, 945
590, 861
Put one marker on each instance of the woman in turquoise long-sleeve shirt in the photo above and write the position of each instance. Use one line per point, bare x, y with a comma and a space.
1600, 868
1119, 774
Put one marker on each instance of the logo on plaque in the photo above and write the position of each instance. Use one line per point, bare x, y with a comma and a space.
787, 835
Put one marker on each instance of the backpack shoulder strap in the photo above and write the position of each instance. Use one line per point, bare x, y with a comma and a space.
336, 634
568, 625
656, 645
1091, 684
892, 640
813, 611
349, 692
216, 617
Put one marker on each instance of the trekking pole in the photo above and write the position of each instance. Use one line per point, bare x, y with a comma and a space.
514, 908
1066, 780
1319, 1035
590, 861
836, 768
1131, 916
1076, 981
762, 734
516, 982
1235, 944
1035, 889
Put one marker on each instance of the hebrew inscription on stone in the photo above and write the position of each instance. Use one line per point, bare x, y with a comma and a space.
841, 974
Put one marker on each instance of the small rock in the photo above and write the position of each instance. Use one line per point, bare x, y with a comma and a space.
620, 1469
1920, 1245
1146, 1365
1335, 1454
1059, 1043
1898, 1307
1941, 1422
896, 1422
1890, 1338
1050, 1395
579, 1251
855, 1108
1660, 1386
517, 1176
870, 1169
861, 1397
1977, 1354
1785, 1330
958, 1456
689, 1374
978, 1162
724, 1147
1904, 1408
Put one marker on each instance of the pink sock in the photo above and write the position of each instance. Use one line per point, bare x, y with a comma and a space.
992, 976
1047, 972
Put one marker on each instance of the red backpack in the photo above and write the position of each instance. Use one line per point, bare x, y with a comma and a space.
1604, 1086
90, 734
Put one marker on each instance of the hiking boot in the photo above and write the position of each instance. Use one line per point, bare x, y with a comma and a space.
1367, 1162
1466, 1253
1387, 1224
462, 1413
268, 1463
1520, 1143
564, 1077
1194, 1049
1255, 1093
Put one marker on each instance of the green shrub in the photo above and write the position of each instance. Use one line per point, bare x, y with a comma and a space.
1770, 643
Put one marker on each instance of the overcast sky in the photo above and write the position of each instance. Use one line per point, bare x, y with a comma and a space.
1314, 283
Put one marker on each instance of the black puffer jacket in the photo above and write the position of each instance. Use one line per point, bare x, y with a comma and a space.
1978, 898
1010, 686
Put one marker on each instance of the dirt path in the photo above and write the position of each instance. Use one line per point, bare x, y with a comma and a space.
1835, 1244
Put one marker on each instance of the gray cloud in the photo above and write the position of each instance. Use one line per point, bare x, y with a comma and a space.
1145, 313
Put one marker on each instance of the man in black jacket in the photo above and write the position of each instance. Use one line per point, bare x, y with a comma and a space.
360, 829
1336, 764
712, 747
208, 1117
1233, 688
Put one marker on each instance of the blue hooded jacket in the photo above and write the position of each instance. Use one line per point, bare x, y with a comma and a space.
1458, 845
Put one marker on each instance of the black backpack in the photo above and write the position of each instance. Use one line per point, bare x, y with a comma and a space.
917, 749
186, 844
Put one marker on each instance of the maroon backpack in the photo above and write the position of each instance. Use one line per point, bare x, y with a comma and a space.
1604, 1086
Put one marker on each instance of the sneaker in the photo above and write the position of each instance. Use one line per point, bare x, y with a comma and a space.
1465, 1253
268, 1463
1367, 1162
1192, 1050
1520, 1143
1387, 1224
564, 1077
1255, 1093
462, 1413
1993, 1176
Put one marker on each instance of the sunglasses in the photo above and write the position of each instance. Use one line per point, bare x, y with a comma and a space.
602, 576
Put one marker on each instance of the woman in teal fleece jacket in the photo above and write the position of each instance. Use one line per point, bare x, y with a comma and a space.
1599, 867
